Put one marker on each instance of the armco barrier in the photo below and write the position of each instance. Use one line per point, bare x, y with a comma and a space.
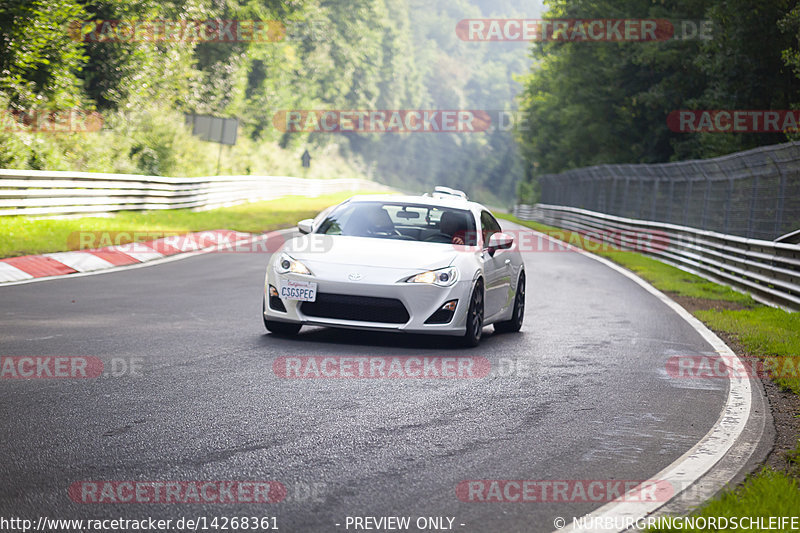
753, 194
36, 192
768, 270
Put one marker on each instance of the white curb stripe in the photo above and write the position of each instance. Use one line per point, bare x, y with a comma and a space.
80, 261
138, 252
12, 273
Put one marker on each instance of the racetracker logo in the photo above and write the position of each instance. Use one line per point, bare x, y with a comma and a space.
574, 30
382, 121
645, 241
43, 121
402, 367
209, 492
734, 121
731, 367
49, 367
224, 241
72, 367
571, 490
187, 31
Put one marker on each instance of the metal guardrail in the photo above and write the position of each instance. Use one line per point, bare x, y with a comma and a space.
753, 194
768, 270
36, 192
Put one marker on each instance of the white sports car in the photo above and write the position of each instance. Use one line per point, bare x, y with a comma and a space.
422, 264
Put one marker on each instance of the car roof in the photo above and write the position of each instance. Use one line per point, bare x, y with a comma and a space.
453, 202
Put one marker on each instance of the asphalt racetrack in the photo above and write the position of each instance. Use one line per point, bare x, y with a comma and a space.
189, 392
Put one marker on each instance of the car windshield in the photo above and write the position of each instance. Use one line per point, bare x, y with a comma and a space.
401, 221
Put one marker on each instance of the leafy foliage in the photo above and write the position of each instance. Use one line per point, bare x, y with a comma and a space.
39, 63
337, 54
607, 102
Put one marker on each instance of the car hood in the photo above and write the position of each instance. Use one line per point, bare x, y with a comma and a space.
331, 250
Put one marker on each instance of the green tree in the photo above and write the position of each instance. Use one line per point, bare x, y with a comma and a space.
39, 61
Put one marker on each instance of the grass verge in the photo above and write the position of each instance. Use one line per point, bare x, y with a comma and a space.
763, 332
24, 235
768, 494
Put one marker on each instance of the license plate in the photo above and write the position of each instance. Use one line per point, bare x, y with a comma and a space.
305, 291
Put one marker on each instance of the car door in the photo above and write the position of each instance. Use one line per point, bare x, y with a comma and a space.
496, 269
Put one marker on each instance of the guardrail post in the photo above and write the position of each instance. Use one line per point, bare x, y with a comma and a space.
728, 202
753, 201
588, 199
625, 196
602, 196
594, 196
582, 190
613, 199
706, 196
654, 202
640, 197
781, 194
651, 178
671, 199
543, 189
687, 197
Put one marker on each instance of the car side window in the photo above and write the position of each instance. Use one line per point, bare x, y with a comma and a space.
489, 227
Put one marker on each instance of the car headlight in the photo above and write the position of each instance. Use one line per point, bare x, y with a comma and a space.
444, 277
286, 264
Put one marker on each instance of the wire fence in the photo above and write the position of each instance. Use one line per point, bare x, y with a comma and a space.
753, 194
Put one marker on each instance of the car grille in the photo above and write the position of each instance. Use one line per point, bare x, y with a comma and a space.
362, 308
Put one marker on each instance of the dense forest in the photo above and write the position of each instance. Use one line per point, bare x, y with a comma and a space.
591, 103
333, 54
581, 103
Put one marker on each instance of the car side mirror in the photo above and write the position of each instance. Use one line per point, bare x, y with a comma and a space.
306, 225
500, 241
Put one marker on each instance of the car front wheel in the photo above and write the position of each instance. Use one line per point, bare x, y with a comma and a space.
515, 323
474, 329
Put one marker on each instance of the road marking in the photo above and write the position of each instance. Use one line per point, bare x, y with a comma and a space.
709, 450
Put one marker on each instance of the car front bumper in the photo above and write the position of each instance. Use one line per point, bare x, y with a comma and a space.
420, 301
